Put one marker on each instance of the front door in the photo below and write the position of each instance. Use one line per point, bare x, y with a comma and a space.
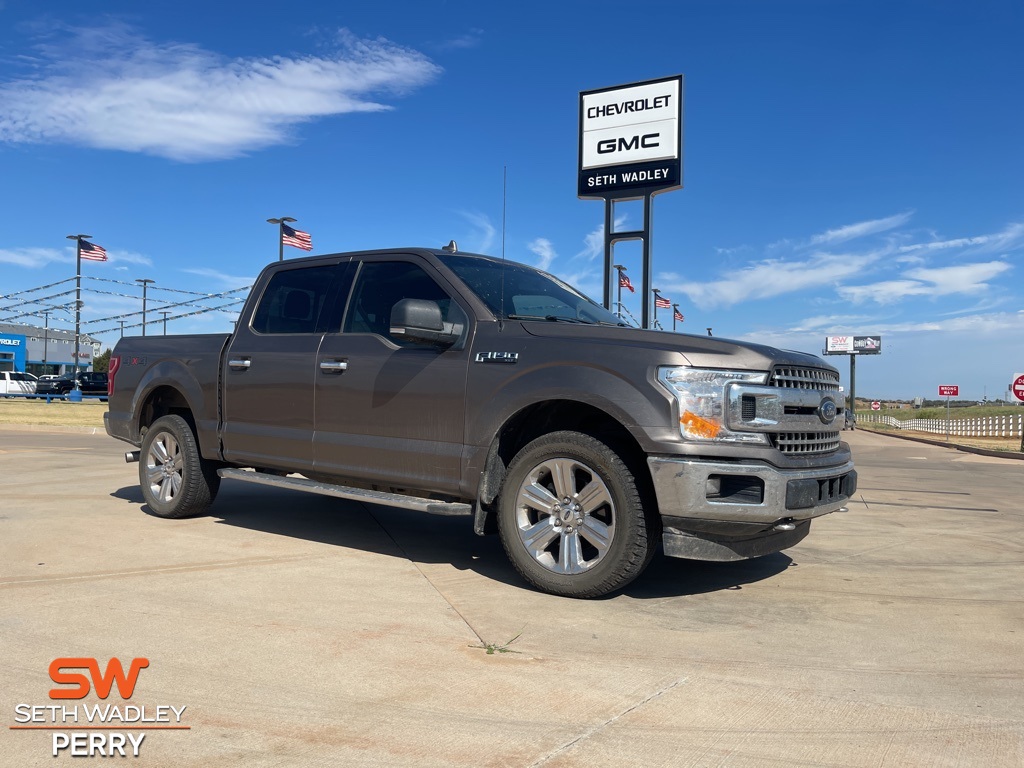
389, 410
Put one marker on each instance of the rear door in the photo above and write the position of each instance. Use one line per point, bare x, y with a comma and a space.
389, 410
268, 370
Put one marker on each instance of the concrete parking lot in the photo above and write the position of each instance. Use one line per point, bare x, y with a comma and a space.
300, 630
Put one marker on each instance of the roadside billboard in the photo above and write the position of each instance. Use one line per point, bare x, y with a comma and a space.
853, 345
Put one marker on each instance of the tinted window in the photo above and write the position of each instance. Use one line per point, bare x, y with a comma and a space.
515, 290
382, 284
294, 300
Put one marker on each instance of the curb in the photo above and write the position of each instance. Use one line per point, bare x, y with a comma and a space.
943, 444
52, 428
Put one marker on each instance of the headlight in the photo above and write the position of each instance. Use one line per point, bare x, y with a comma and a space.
700, 395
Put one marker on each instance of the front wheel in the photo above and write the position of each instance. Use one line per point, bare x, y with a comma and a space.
571, 517
176, 481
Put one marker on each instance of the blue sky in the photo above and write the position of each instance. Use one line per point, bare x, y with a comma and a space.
849, 167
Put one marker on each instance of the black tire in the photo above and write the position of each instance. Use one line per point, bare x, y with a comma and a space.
176, 481
598, 541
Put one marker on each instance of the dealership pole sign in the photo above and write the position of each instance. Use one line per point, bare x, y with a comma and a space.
631, 148
631, 139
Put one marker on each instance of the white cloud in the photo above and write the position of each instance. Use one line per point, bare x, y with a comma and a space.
830, 322
228, 281
543, 248
484, 235
32, 257
471, 39
181, 102
774, 277
941, 281
861, 229
593, 242
965, 278
1010, 238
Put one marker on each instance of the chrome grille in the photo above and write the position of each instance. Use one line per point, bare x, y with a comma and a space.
794, 443
790, 377
803, 443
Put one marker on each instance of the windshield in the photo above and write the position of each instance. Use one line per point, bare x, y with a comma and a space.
527, 293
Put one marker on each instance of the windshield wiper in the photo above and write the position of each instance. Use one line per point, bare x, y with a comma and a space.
551, 318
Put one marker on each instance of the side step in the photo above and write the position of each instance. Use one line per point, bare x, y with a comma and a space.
430, 506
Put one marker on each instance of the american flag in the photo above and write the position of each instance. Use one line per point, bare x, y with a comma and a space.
661, 302
91, 251
624, 282
677, 315
296, 238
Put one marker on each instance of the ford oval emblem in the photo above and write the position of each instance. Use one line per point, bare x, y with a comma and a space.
827, 411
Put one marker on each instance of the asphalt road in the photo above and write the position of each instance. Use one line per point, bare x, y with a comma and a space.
299, 630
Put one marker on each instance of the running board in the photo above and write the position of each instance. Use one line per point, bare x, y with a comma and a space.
430, 506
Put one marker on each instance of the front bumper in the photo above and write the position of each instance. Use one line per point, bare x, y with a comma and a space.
713, 510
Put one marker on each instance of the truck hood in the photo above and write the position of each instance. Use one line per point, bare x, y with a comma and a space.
698, 351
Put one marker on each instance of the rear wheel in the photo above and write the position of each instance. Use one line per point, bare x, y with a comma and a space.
176, 481
571, 518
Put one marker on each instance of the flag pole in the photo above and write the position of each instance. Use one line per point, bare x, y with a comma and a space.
654, 320
78, 303
618, 298
280, 221
675, 314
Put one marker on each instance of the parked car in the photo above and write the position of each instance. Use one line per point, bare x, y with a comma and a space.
17, 383
851, 420
91, 383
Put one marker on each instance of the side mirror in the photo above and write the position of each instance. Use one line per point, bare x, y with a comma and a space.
419, 320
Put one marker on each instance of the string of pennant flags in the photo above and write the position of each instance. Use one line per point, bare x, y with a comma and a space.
41, 306
290, 236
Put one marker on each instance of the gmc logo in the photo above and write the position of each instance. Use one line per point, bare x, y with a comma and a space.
622, 144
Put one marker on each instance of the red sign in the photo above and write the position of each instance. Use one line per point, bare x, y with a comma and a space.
1018, 387
876, 406
949, 390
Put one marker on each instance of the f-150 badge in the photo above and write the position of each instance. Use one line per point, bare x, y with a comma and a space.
497, 357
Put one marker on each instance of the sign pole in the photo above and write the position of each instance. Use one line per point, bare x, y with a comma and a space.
947, 418
853, 385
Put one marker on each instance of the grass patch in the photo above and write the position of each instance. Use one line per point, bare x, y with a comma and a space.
492, 648
56, 413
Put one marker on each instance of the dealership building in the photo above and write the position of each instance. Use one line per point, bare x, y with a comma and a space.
32, 349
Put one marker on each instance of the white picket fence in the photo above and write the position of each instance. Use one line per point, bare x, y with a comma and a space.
983, 426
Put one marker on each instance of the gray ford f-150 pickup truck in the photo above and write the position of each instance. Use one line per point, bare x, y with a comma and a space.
459, 384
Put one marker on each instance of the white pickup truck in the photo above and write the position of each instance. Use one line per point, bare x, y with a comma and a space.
17, 383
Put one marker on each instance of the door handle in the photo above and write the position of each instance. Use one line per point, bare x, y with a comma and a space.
333, 366
240, 363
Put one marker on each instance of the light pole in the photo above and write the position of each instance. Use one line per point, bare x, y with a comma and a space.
145, 284
78, 300
709, 331
280, 234
46, 336
165, 313
122, 328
